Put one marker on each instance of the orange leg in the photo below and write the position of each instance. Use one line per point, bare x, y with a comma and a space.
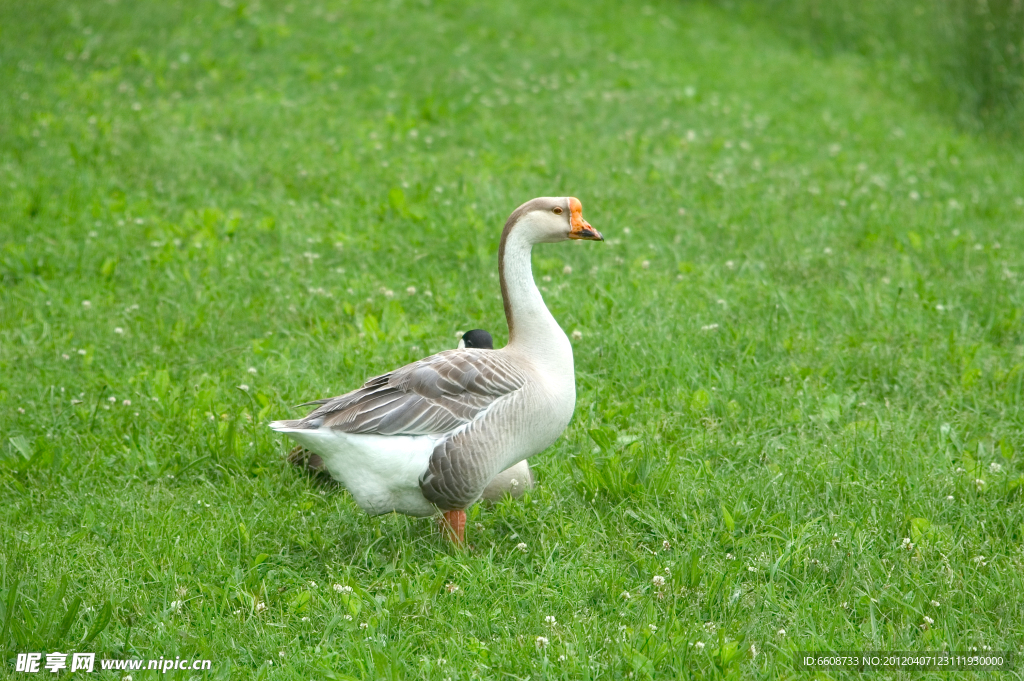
454, 524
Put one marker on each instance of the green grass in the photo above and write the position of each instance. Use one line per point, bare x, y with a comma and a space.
963, 57
802, 342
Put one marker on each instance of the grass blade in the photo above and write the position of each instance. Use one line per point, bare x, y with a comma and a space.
102, 620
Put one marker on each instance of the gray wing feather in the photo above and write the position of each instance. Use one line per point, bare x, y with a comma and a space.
456, 474
433, 396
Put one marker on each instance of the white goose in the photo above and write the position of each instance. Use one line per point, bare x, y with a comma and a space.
431, 435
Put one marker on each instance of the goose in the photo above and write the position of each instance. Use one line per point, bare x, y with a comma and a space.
431, 435
518, 479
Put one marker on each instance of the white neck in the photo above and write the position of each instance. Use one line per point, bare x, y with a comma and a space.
533, 332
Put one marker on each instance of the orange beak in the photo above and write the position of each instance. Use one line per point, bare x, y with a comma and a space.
580, 228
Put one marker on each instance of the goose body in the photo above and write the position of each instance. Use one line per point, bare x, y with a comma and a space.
433, 434
514, 481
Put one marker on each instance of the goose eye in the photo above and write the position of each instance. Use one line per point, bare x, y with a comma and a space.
557, 210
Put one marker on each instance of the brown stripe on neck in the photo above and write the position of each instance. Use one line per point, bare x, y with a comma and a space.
517, 214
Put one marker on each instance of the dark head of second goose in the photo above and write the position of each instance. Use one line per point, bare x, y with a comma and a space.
477, 338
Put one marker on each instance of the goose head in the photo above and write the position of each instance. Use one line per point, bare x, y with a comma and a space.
551, 219
477, 338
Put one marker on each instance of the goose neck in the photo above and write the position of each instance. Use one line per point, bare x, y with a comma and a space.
531, 327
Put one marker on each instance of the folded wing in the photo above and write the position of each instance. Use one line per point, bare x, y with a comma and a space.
433, 396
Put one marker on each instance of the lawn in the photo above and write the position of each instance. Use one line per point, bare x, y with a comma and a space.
800, 366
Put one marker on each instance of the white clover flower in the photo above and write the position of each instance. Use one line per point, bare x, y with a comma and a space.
118, 330
567, 269
562, 658
729, 556
652, 627
244, 387
521, 546
907, 544
261, 606
176, 605
86, 304
658, 580
781, 632
363, 625
709, 327
81, 351
550, 619
126, 403
935, 604
646, 264
995, 467
252, 370
411, 290
625, 595
751, 569
699, 645
305, 619
753, 650
452, 588
979, 483
312, 585
828, 251
111, 399
665, 545
541, 642
577, 335
280, 653
342, 588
